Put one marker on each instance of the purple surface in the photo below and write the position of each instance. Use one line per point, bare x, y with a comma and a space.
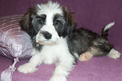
96, 69
91, 14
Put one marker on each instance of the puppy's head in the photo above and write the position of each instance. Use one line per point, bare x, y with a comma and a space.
47, 23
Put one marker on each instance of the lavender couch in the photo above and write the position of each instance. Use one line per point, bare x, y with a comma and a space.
91, 14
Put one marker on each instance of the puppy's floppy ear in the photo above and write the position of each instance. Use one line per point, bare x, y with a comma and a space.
70, 21
26, 22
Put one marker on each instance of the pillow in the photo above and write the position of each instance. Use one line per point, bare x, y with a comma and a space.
14, 43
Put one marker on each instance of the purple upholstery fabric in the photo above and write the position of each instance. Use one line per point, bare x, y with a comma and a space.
91, 14
96, 69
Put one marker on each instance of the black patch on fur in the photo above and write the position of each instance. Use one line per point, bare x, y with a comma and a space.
82, 40
36, 45
59, 23
38, 22
70, 22
32, 23
104, 33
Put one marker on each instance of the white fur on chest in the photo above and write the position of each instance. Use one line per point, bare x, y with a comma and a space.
55, 53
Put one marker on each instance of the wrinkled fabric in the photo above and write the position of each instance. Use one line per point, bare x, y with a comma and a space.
7, 74
13, 41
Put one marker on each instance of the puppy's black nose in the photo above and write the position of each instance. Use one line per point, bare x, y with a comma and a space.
47, 35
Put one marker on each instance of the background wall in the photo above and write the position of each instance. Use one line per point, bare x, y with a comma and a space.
91, 14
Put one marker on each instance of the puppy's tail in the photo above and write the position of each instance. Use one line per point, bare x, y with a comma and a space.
104, 32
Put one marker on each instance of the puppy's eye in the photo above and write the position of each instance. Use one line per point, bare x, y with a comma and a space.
40, 21
56, 22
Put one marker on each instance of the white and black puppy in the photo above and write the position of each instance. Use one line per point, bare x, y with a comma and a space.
55, 40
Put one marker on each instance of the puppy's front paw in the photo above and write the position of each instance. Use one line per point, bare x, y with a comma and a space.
27, 68
58, 78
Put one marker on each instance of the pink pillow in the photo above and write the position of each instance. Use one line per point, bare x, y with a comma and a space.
14, 43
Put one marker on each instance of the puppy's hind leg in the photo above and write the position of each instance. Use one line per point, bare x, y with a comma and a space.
105, 48
92, 52
114, 54
85, 56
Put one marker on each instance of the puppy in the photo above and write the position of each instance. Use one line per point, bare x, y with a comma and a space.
55, 40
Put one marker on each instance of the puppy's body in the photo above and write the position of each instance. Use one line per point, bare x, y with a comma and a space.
82, 40
55, 40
